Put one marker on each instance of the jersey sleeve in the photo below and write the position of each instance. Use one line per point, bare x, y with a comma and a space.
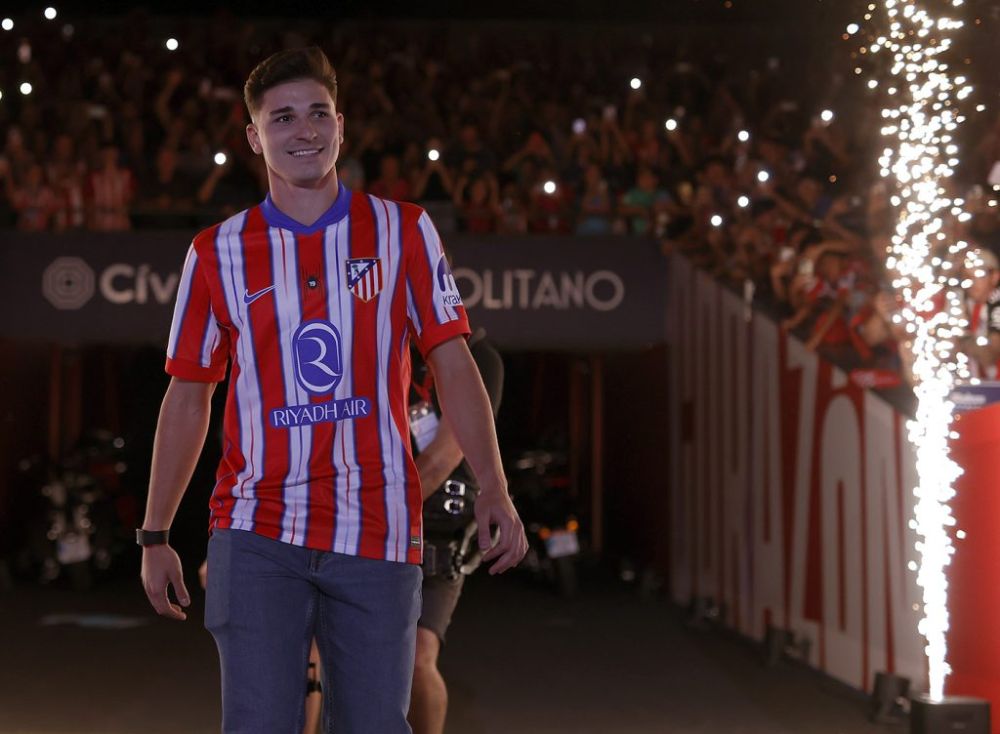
433, 304
198, 349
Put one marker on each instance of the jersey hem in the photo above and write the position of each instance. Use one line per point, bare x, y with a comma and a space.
192, 371
340, 548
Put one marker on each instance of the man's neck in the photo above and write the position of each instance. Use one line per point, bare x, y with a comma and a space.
304, 204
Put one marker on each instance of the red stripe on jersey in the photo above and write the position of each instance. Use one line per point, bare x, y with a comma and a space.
315, 305
193, 320
374, 525
259, 274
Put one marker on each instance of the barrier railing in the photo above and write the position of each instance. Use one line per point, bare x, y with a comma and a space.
791, 500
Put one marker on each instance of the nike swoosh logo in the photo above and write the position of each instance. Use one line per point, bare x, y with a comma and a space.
249, 297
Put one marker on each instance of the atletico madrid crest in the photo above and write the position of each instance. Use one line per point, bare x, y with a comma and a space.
364, 276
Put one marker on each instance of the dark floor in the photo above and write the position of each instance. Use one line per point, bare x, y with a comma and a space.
518, 660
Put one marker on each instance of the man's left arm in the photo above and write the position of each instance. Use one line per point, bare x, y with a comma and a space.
466, 408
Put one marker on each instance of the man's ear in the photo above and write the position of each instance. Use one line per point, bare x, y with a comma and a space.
254, 139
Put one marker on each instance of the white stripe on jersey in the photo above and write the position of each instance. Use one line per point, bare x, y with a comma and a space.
180, 305
434, 250
387, 221
347, 523
230, 253
210, 343
295, 488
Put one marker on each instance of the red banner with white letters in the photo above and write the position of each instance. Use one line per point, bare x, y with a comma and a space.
791, 500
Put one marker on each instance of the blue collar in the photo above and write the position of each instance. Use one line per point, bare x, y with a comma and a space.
337, 211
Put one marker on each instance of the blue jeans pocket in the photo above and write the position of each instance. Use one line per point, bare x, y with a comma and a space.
218, 584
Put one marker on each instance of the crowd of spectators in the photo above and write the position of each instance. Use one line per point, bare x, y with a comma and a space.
718, 152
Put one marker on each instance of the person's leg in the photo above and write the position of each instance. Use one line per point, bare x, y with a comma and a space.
260, 608
314, 692
366, 630
429, 701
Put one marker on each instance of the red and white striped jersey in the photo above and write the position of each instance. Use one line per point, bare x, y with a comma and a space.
315, 322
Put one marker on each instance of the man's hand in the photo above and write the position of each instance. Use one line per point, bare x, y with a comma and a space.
493, 507
162, 567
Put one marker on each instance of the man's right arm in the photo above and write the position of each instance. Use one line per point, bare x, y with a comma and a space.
180, 436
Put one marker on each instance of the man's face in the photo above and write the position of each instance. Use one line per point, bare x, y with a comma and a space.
298, 131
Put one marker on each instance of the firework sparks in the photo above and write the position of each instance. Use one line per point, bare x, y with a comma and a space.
920, 118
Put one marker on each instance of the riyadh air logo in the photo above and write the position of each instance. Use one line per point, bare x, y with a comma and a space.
68, 283
319, 368
319, 361
446, 283
364, 276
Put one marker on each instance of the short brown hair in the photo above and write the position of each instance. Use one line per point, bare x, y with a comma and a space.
285, 66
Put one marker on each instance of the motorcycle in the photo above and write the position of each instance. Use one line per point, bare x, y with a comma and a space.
539, 485
73, 533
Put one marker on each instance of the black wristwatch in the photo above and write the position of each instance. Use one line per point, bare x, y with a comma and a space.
151, 537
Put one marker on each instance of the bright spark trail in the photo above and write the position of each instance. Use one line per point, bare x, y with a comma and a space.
925, 259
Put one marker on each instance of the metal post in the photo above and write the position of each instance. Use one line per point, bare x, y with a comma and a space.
597, 455
55, 402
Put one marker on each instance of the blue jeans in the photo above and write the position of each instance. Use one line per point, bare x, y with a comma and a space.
265, 602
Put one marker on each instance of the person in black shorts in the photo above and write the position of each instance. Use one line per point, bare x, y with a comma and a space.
449, 528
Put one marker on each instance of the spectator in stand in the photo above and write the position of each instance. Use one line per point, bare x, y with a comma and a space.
549, 204
35, 203
984, 229
478, 203
17, 155
66, 175
524, 164
513, 212
167, 190
432, 180
615, 154
646, 206
596, 207
981, 278
111, 190
350, 171
390, 183
230, 186
471, 148
826, 285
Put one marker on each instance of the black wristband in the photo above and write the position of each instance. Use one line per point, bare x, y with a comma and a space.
151, 537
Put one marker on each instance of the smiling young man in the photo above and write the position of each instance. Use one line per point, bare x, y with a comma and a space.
311, 299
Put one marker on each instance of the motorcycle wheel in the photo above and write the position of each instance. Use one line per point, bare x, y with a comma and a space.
80, 576
566, 576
